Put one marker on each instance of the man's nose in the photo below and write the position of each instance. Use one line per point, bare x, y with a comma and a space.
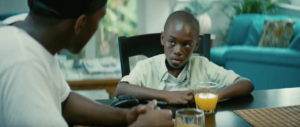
178, 50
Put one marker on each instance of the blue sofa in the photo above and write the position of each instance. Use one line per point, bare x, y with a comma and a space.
266, 67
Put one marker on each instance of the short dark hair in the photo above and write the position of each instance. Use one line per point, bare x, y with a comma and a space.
62, 9
184, 16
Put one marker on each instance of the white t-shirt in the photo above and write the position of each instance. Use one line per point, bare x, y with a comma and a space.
12, 19
32, 87
174, 84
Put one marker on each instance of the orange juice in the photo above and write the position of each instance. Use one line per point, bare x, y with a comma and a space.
189, 125
206, 101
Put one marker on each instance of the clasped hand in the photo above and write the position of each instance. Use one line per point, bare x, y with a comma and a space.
180, 97
149, 116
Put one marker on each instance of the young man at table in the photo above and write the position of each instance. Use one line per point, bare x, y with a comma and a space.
33, 91
170, 76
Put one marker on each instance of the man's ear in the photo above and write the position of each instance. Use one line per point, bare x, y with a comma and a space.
197, 44
162, 38
79, 24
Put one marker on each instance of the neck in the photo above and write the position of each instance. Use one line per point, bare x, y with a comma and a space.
174, 71
53, 38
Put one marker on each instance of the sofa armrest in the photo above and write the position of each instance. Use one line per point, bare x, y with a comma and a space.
295, 44
266, 55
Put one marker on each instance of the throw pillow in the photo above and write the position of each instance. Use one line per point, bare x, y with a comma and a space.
277, 33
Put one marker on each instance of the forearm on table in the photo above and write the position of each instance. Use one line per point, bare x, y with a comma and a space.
142, 92
78, 110
240, 87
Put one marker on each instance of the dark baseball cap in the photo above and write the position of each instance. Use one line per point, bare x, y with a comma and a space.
66, 8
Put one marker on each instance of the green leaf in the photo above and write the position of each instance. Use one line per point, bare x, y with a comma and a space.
130, 14
132, 5
197, 7
111, 15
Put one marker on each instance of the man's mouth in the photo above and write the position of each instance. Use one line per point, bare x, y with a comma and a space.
176, 61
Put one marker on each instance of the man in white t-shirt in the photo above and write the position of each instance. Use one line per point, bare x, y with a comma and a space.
33, 91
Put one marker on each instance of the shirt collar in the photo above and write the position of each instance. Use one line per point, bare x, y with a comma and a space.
189, 65
163, 71
47, 55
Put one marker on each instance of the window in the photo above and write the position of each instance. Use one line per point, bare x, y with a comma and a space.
120, 20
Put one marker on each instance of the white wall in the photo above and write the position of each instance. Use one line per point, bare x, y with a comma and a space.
152, 15
286, 9
13, 6
295, 2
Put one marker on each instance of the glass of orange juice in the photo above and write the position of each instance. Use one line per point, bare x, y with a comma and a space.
206, 96
189, 117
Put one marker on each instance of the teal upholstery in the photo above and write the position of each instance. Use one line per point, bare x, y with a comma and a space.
217, 56
295, 44
239, 30
266, 67
265, 55
254, 33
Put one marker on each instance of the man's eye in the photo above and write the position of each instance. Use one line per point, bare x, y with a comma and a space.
186, 45
172, 42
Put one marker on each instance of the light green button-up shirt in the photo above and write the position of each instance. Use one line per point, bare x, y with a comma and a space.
153, 73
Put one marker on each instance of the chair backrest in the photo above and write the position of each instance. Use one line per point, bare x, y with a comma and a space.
150, 45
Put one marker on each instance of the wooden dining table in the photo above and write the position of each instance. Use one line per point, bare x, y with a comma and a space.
224, 115
110, 85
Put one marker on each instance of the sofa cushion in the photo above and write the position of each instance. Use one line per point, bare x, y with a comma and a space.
297, 27
266, 67
257, 26
216, 55
266, 76
277, 33
255, 33
266, 55
239, 28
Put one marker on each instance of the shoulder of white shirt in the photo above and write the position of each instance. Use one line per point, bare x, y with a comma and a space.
15, 18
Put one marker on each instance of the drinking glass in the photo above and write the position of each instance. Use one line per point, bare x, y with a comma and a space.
206, 96
189, 117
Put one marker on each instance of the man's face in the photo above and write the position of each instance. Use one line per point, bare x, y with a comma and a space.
179, 41
87, 30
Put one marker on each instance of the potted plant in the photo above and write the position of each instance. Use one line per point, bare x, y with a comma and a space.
199, 9
232, 9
